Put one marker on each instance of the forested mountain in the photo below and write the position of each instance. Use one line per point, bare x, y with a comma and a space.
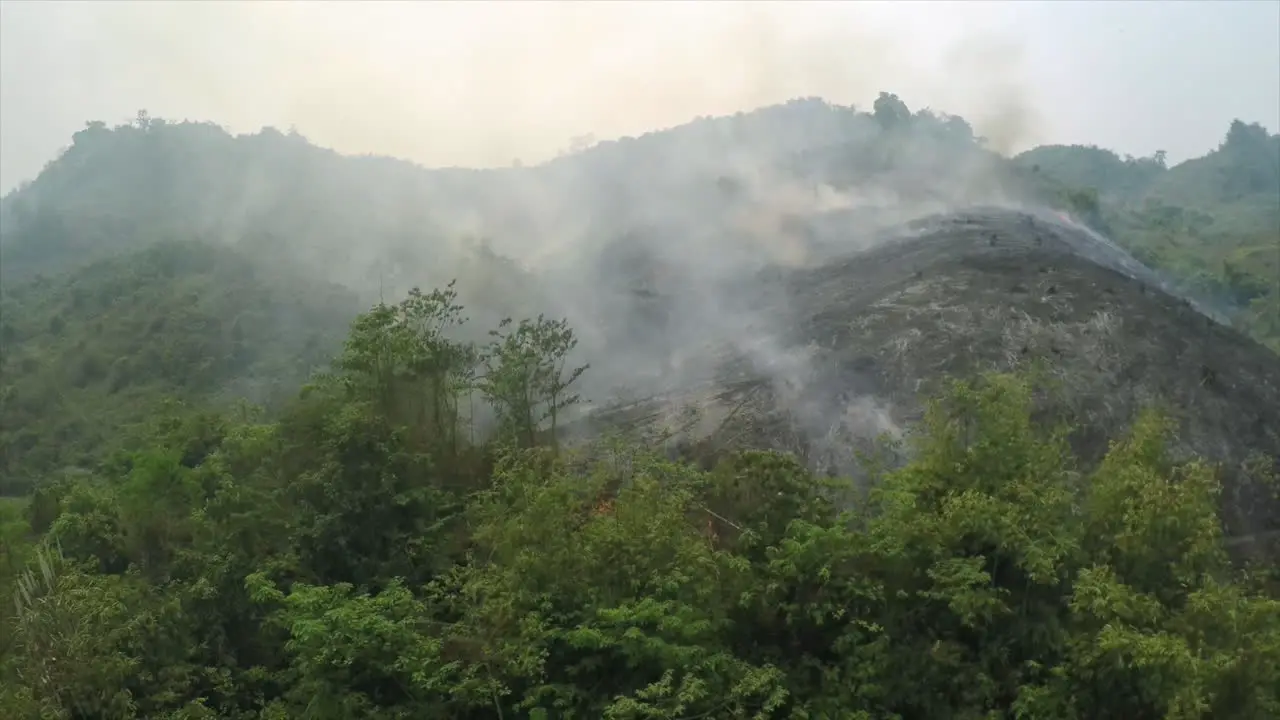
91, 353
127, 186
287, 219
384, 225
1213, 222
251, 472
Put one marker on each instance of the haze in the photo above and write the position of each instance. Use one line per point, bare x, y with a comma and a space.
487, 84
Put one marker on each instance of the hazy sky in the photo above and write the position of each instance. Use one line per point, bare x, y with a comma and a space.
485, 83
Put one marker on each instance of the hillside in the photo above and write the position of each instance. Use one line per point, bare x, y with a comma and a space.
367, 555
1212, 223
88, 355
804, 412
274, 208
129, 185
712, 200
709, 201
845, 350
380, 226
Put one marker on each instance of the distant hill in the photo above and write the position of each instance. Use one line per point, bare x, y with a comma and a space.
345, 217
88, 354
158, 259
1245, 168
1212, 223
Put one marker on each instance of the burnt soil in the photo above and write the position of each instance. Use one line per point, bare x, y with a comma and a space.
985, 290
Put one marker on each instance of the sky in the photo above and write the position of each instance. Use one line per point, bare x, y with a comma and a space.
486, 84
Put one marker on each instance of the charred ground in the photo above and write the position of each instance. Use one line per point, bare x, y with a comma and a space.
869, 334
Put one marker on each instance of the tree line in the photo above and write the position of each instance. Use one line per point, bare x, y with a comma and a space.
409, 538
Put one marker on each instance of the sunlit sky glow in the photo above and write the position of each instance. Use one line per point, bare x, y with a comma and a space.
485, 83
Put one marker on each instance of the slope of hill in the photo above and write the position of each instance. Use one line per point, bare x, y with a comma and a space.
1213, 222
368, 549
88, 355
715, 199
854, 341
1124, 179
364, 556
1244, 169
379, 225
342, 217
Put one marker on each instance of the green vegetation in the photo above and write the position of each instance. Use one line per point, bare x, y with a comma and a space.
89, 355
1211, 223
363, 557
409, 534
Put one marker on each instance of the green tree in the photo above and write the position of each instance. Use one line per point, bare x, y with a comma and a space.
528, 377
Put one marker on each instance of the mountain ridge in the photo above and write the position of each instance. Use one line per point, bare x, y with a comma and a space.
714, 201
928, 433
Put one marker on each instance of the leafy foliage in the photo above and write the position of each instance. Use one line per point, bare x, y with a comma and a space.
527, 377
1211, 223
410, 535
362, 556
87, 356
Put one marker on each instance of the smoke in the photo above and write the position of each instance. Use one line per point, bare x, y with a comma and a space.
1004, 117
487, 84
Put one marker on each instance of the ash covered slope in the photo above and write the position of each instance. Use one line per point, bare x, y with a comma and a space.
867, 334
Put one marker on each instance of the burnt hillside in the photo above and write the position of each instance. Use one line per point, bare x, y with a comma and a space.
862, 337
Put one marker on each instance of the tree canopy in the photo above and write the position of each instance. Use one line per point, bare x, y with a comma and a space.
372, 553
225, 492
